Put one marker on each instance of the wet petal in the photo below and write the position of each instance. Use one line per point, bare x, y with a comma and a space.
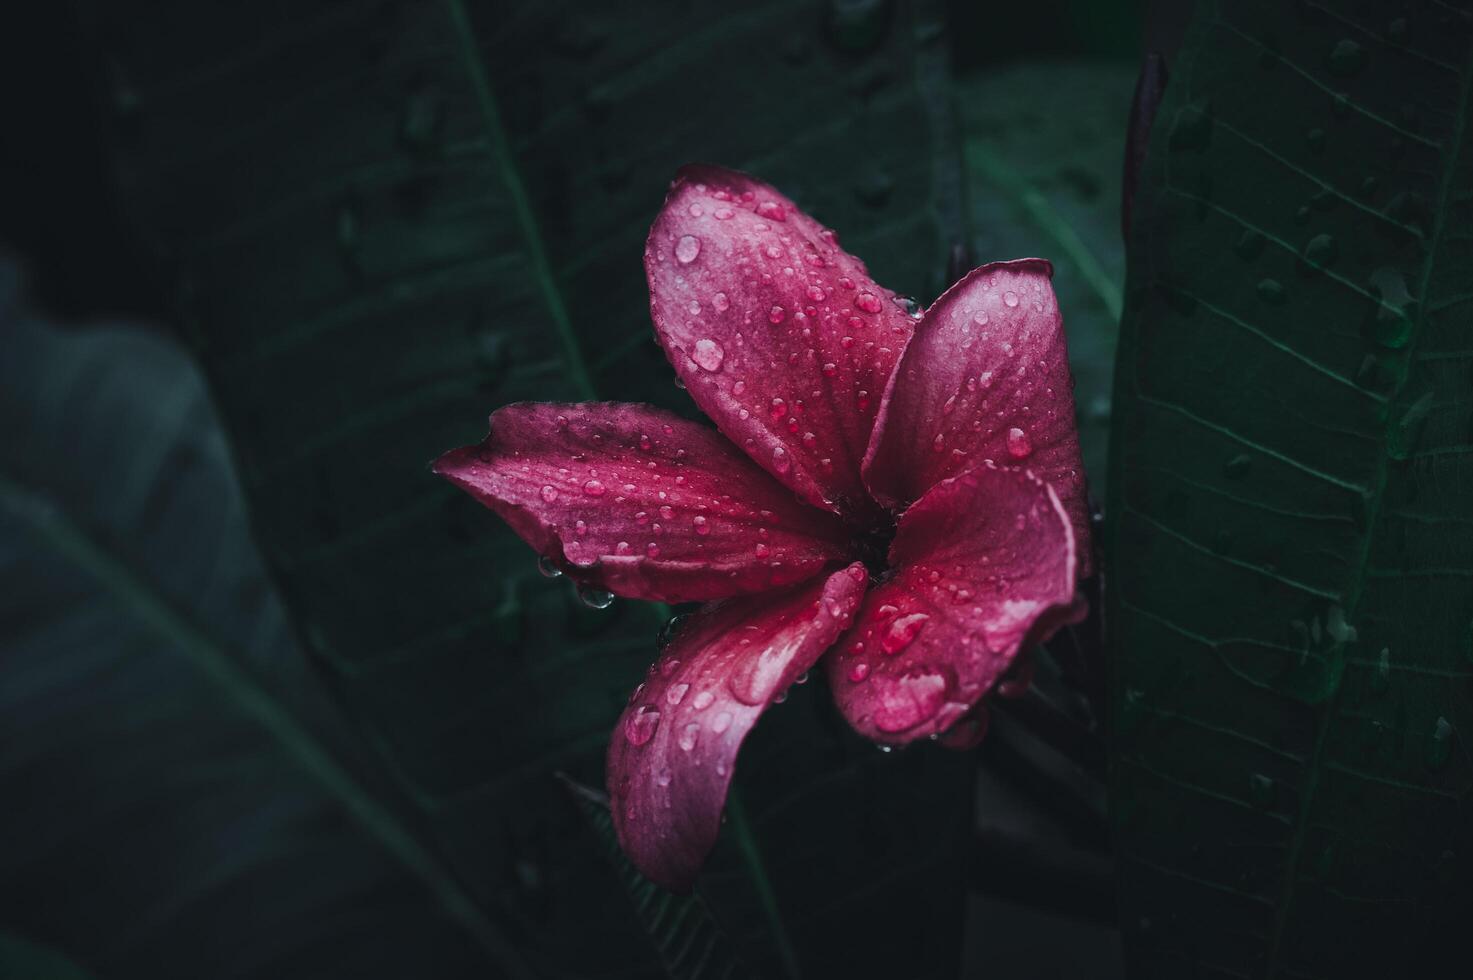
985, 566
781, 336
642, 503
672, 754
985, 378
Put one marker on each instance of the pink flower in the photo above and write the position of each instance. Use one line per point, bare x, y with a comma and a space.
904, 495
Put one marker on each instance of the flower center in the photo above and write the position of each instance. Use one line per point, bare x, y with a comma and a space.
872, 545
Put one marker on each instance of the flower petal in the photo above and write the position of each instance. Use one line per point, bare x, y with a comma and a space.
781, 336
643, 503
984, 566
672, 754
986, 377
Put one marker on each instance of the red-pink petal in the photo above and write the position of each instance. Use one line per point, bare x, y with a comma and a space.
781, 336
984, 565
642, 502
672, 754
986, 377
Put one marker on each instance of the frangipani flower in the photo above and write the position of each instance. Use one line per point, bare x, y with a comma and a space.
902, 499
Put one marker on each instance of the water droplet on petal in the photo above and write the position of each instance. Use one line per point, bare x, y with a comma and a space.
676, 693
780, 460
687, 249
910, 699
703, 700
640, 727
868, 302
776, 315
549, 493
703, 526
721, 722
902, 632
593, 488
720, 303
547, 565
595, 598
1010, 298
1019, 445
708, 354
859, 672
772, 211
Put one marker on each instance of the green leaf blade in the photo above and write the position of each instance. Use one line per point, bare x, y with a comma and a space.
1288, 498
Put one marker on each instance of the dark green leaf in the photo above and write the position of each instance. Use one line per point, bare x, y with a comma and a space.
389, 219
1044, 144
181, 814
21, 959
692, 945
1292, 537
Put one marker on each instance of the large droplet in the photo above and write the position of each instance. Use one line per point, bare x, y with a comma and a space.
547, 565
910, 699
549, 493
708, 355
640, 727
780, 460
687, 249
1019, 445
868, 302
759, 676
593, 488
902, 632
594, 597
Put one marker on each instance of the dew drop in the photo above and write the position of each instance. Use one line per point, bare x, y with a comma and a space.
777, 314
859, 672
868, 302
780, 459
708, 354
703, 527
595, 598
902, 633
549, 493
720, 303
703, 700
910, 699
1010, 298
772, 211
547, 565
593, 488
1019, 445
687, 249
640, 727
721, 722
676, 693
